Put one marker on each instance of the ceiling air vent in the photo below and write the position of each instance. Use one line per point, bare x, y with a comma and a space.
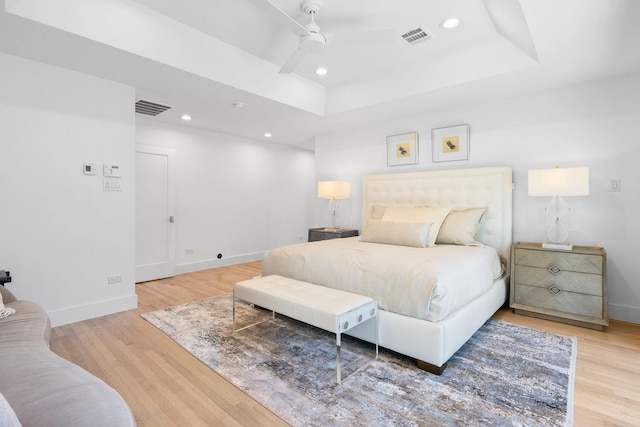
150, 108
416, 35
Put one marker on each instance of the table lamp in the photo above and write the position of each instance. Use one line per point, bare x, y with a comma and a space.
558, 183
333, 191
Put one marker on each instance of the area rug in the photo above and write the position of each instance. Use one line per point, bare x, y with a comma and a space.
505, 375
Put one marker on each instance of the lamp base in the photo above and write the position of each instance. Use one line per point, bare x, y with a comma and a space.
558, 246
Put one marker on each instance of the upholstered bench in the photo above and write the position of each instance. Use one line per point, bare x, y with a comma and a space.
330, 309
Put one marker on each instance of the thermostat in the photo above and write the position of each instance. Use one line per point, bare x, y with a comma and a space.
89, 168
111, 170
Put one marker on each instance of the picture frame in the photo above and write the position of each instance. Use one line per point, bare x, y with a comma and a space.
402, 149
450, 143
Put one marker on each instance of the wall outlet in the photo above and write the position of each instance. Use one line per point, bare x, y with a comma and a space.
189, 251
112, 280
615, 184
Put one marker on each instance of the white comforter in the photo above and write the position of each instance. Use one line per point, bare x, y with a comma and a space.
426, 283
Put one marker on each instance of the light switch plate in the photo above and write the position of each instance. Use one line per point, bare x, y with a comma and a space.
111, 185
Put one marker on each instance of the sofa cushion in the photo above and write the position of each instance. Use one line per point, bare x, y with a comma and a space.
29, 326
46, 390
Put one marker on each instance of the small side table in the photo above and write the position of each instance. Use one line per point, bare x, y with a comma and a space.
316, 234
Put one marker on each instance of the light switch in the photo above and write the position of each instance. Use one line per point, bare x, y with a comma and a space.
111, 185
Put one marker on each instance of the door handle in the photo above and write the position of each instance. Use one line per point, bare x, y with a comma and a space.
172, 219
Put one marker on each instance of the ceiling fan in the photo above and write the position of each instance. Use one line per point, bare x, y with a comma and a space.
311, 39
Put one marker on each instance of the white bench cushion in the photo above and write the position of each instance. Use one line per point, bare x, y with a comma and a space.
316, 305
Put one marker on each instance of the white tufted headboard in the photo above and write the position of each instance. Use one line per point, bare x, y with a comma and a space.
490, 187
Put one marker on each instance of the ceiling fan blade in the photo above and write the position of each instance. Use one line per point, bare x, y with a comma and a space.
362, 37
292, 62
280, 16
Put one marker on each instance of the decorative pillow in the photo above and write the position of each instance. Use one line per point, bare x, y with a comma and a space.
461, 227
8, 417
377, 211
433, 214
413, 234
5, 311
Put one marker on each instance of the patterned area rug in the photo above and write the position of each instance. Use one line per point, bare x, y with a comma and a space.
505, 375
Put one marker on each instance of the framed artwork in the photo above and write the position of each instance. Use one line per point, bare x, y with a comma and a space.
450, 143
402, 149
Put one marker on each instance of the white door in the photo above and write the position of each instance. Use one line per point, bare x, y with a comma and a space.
155, 221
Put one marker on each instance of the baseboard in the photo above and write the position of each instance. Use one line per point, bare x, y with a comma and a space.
222, 262
624, 313
89, 311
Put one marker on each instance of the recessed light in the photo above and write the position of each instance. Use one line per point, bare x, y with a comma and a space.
238, 104
450, 23
185, 117
321, 71
267, 135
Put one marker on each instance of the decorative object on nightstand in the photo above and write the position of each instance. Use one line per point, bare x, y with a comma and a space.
558, 183
561, 285
316, 234
334, 191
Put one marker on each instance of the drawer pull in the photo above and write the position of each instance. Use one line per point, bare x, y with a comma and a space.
554, 289
554, 269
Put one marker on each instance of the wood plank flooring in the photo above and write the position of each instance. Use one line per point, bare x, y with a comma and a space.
166, 386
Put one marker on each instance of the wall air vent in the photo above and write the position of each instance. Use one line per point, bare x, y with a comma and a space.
416, 35
150, 108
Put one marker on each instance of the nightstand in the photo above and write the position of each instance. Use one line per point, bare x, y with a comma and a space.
566, 286
316, 234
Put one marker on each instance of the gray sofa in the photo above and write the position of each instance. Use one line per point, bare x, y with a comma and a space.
43, 389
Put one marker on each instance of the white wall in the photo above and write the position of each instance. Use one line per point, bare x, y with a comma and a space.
234, 196
61, 235
595, 124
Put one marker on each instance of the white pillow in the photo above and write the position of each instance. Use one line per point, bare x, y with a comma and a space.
433, 214
377, 211
413, 234
8, 417
461, 227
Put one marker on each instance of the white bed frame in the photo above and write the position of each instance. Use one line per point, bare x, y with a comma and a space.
432, 344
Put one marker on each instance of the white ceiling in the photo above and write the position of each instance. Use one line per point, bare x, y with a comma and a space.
202, 56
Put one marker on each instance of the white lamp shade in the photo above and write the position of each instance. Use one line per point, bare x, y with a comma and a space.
334, 190
559, 182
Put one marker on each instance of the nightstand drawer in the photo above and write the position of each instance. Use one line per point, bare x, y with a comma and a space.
583, 263
571, 281
565, 302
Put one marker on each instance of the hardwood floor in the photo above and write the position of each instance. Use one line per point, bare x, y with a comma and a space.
166, 386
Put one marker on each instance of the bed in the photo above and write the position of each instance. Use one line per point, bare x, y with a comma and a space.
434, 252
